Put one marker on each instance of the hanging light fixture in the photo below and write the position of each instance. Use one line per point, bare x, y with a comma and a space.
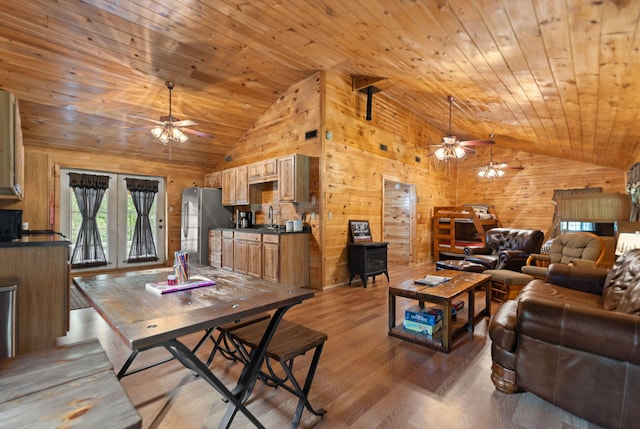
491, 170
449, 149
169, 132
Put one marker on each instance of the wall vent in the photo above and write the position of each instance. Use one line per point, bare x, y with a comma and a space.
383, 147
418, 159
311, 134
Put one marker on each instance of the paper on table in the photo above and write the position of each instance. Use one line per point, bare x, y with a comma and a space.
162, 287
432, 280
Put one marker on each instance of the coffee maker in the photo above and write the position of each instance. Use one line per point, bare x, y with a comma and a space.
246, 220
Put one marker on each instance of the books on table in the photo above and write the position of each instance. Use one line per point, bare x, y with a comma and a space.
432, 280
422, 328
425, 320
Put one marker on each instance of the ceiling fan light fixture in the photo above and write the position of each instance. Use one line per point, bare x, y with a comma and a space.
490, 171
449, 151
168, 134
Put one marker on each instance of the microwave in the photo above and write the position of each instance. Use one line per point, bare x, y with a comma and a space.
10, 225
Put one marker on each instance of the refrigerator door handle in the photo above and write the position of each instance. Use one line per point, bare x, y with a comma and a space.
185, 219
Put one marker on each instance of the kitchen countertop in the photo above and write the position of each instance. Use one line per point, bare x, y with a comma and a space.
36, 240
266, 230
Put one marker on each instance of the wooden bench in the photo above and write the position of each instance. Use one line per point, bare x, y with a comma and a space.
289, 341
65, 386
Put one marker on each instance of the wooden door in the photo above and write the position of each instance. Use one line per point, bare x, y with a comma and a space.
398, 222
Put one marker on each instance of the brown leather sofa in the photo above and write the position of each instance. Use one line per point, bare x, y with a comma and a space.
574, 341
505, 248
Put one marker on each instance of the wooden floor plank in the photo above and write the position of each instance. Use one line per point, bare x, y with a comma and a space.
365, 379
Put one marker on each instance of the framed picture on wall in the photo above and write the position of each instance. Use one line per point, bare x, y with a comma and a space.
359, 231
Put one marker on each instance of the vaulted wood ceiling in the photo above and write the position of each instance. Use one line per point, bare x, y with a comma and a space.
555, 77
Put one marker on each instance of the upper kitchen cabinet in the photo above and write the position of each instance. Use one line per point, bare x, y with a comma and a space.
11, 148
213, 180
242, 184
293, 178
263, 171
228, 186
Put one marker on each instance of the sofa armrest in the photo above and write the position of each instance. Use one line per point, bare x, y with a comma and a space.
585, 279
468, 251
539, 259
512, 259
592, 330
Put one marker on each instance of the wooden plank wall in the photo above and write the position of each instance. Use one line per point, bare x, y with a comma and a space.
42, 181
523, 198
281, 131
355, 167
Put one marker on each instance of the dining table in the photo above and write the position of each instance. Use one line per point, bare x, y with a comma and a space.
145, 319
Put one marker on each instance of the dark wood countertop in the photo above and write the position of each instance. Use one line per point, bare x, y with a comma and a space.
37, 240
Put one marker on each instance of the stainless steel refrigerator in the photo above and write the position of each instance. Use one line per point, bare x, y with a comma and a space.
202, 209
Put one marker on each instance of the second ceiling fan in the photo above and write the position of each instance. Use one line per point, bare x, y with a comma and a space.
451, 147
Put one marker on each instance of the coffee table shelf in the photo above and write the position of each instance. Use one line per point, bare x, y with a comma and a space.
443, 296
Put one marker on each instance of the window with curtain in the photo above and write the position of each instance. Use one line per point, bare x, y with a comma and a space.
143, 193
88, 190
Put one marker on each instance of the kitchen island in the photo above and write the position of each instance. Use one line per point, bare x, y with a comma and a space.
39, 266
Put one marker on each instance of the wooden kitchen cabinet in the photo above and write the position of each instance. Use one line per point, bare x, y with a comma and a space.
213, 180
227, 250
271, 257
247, 253
215, 248
293, 178
263, 171
228, 186
242, 184
39, 267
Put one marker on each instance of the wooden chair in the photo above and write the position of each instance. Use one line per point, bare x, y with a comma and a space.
224, 344
289, 341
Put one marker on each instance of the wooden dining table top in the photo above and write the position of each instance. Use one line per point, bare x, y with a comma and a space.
143, 318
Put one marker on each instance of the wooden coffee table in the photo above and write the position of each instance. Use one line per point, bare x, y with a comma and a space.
443, 296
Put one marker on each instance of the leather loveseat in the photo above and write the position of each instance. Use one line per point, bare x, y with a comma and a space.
574, 341
505, 248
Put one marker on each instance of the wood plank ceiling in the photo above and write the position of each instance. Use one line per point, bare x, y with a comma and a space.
553, 77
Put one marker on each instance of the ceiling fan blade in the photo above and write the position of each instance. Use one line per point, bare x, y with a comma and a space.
197, 133
476, 142
185, 123
144, 127
468, 150
147, 119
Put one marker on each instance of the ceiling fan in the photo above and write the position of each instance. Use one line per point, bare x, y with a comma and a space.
451, 147
171, 129
492, 169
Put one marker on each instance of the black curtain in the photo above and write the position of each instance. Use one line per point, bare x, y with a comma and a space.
89, 190
143, 246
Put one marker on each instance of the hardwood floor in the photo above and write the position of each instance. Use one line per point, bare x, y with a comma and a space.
366, 379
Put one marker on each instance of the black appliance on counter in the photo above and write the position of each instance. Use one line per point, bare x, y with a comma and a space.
245, 220
10, 225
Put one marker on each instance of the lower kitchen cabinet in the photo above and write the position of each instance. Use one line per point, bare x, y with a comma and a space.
227, 250
247, 253
270, 257
215, 248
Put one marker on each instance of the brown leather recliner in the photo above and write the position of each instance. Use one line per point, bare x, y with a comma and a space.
575, 341
505, 248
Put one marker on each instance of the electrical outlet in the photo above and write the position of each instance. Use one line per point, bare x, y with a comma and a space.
313, 215
330, 215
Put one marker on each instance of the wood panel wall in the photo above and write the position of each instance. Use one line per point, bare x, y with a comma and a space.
355, 166
43, 178
281, 131
523, 198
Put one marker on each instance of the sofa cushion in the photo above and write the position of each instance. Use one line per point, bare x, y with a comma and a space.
540, 289
622, 287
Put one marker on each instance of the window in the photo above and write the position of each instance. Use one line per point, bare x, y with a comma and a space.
128, 224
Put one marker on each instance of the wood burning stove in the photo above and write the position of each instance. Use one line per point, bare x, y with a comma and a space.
366, 257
